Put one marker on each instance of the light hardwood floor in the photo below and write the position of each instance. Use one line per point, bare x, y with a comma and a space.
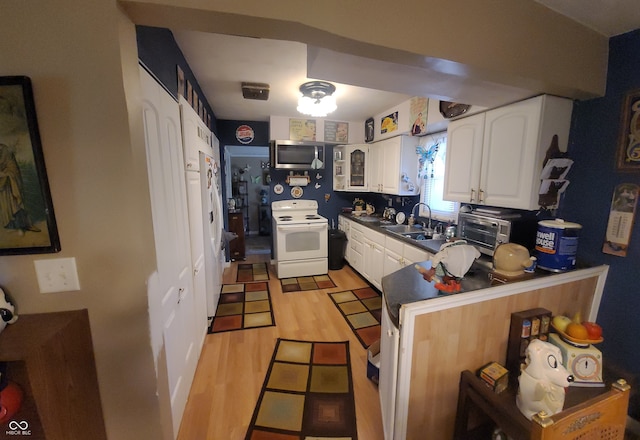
233, 365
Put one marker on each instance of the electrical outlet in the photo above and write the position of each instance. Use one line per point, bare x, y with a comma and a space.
57, 275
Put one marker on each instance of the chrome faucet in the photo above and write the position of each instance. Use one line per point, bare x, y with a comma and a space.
413, 213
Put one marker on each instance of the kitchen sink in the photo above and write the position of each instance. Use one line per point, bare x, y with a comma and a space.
403, 229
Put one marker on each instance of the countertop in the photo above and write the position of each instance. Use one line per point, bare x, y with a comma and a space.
376, 223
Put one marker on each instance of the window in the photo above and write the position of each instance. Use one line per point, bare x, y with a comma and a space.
432, 162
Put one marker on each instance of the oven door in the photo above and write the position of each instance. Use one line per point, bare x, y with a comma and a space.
481, 232
301, 241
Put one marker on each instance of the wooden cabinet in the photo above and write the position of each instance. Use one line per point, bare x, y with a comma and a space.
50, 356
356, 247
495, 158
236, 225
394, 166
350, 167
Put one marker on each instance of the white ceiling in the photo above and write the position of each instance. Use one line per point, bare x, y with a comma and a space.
222, 62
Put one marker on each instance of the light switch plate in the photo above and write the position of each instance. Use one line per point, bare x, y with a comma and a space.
57, 275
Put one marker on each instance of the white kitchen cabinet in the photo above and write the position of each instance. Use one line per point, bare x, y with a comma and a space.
373, 255
356, 246
495, 158
389, 349
398, 255
350, 168
394, 166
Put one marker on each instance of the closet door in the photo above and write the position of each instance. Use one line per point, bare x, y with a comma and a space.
173, 298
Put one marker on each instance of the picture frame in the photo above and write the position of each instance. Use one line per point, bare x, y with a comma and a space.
628, 157
27, 219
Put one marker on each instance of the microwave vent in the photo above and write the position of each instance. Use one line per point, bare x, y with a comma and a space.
258, 91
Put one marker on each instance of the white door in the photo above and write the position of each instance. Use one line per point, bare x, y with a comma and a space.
509, 154
213, 224
464, 153
165, 164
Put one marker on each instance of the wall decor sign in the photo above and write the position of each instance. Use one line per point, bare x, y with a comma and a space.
629, 143
336, 131
369, 130
27, 220
181, 82
389, 123
302, 129
245, 134
418, 107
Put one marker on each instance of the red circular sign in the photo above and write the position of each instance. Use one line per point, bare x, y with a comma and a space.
244, 134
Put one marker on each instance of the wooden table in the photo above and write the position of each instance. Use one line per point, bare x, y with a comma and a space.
475, 397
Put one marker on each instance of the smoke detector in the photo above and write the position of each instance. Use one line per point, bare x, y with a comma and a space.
259, 91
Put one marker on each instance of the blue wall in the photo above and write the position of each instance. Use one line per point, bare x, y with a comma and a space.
592, 145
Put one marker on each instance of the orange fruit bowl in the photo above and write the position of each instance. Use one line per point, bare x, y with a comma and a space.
574, 341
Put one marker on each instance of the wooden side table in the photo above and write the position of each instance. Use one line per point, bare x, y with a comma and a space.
236, 225
50, 356
475, 398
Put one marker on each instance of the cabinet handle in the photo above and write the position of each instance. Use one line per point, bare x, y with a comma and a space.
480, 197
180, 294
473, 191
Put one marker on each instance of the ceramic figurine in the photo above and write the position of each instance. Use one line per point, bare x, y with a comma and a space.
7, 315
542, 381
450, 265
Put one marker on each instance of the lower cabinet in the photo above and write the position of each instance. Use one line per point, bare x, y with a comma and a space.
373, 257
389, 349
398, 255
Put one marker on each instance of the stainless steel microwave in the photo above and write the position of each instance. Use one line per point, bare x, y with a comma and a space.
297, 155
487, 230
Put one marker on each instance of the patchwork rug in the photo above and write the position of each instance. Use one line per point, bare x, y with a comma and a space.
307, 394
243, 306
298, 284
248, 272
362, 309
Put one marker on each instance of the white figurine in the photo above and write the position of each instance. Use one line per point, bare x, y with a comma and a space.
7, 315
542, 381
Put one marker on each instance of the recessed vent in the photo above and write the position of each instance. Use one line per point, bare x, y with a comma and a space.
259, 91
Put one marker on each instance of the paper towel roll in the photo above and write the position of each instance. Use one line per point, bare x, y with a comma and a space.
298, 181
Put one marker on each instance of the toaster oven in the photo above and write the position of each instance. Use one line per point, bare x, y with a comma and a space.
487, 230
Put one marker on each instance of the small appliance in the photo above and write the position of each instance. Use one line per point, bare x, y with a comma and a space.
488, 229
297, 155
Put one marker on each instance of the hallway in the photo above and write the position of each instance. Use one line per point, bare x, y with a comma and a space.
233, 365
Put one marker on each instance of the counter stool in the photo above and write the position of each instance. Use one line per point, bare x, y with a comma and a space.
593, 413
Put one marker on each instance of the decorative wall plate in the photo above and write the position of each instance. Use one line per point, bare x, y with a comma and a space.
296, 192
278, 189
450, 109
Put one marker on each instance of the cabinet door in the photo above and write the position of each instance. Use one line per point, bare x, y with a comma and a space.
509, 154
376, 166
414, 255
464, 155
389, 348
391, 172
392, 262
358, 167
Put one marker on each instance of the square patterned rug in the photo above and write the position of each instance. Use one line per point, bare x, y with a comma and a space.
248, 272
307, 394
243, 306
362, 309
298, 284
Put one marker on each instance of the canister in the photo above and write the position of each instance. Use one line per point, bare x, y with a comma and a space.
557, 245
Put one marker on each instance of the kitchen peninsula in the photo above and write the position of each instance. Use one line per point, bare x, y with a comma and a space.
440, 336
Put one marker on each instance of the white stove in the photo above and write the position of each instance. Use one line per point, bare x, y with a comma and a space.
300, 238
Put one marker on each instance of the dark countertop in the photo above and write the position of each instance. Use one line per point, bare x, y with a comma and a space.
376, 223
407, 285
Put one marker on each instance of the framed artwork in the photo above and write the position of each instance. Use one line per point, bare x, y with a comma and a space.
337, 132
302, 129
27, 220
181, 83
389, 123
629, 143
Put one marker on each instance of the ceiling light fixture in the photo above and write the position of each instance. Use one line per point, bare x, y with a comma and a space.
317, 99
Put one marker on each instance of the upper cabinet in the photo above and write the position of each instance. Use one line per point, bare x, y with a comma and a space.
495, 158
394, 166
350, 167
389, 166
